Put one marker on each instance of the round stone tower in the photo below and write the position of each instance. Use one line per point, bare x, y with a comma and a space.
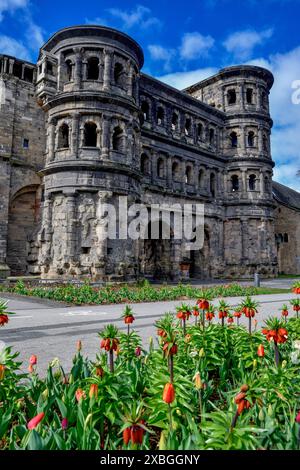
87, 83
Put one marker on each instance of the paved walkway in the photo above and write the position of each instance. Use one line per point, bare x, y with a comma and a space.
49, 329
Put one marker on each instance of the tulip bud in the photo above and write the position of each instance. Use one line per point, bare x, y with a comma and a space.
283, 365
33, 360
151, 344
79, 394
254, 363
201, 353
270, 410
33, 423
162, 445
298, 418
2, 372
260, 351
138, 351
45, 394
30, 368
64, 424
79, 345
169, 393
93, 391
198, 381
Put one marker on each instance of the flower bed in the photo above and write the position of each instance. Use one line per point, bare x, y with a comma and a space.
86, 294
204, 385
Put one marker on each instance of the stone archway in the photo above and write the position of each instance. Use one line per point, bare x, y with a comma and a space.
22, 223
201, 260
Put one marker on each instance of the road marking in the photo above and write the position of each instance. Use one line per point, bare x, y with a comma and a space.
21, 316
83, 314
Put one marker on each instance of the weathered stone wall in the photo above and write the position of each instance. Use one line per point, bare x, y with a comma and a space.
287, 229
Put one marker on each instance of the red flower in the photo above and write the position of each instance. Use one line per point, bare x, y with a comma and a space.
64, 424
126, 435
298, 418
3, 319
129, 319
138, 351
137, 434
284, 313
169, 393
230, 320
93, 391
33, 360
260, 351
237, 314
203, 304
79, 394
35, 421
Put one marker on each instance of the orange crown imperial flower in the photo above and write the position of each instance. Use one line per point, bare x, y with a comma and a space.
3, 319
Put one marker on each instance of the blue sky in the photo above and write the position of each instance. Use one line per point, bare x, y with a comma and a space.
183, 43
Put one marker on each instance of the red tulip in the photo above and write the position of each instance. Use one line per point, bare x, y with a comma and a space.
93, 391
79, 394
260, 351
33, 360
2, 372
64, 424
138, 351
79, 345
169, 393
298, 418
3, 319
126, 435
35, 421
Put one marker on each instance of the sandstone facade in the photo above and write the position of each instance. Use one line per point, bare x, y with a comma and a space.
85, 126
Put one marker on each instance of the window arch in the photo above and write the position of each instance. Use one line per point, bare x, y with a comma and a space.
174, 121
188, 126
234, 139
176, 171
212, 184
231, 96
90, 134
93, 68
69, 70
118, 74
160, 167
267, 184
160, 116
145, 110
117, 139
200, 131
252, 182
285, 238
265, 143
251, 139
63, 136
235, 184
189, 175
249, 95
211, 136
145, 164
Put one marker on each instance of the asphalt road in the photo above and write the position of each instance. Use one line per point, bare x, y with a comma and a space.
51, 330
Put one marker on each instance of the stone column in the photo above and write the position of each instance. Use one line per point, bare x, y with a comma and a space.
244, 183
75, 135
243, 137
45, 234
5, 62
245, 238
23, 70
261, 183
51, 139
258, 98
242, 97
5, 172
260, 139
78, 68
105, 136
183, 177
129, 79
60, 67
11, 66
71, 233
84, 70
107, 69
169, 173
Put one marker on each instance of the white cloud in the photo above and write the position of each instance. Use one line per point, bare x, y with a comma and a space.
195, 45
163, 54
34, 34
14, 48
182, 80
11, 5
97, 21
140, 16
242, 43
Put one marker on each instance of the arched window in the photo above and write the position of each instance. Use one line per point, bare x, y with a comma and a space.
118, 74
145, 110
145, 164
69, 70
175, 171
249, 96
93, 68
63, 136
235, 183
211, 136
90, 134
189, 175
234, 139
188, 126
200, 178
264, 99
117, 139
251, 138
160, 116
212, 184
267, 184
174, 121
285, 238
200, 131
231, 96
160, 168
252, 182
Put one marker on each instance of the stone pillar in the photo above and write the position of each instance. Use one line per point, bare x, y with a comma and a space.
51, 139
223, 99
23, 70
107, 69
75, 135
258, 98
261, 183
5, 171
260, 139
129, 79
105, 137
244, 183
5, 62
60, 68
243, 137
183, 176
242, 96
11, 66
45, 235
71, 233
169, 173
245, 238
78, 68
84, 70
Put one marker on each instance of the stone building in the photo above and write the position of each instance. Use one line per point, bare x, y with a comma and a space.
85, 126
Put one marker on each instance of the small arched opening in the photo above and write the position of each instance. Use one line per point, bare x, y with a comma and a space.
90, 134
117, 139
63, 136
93, 68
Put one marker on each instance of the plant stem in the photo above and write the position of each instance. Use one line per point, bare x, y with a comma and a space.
170, 417
111, 360
223, 319
276, 351
171, 368
200, 404
128, 329
249, 325
184, 326
234, 420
